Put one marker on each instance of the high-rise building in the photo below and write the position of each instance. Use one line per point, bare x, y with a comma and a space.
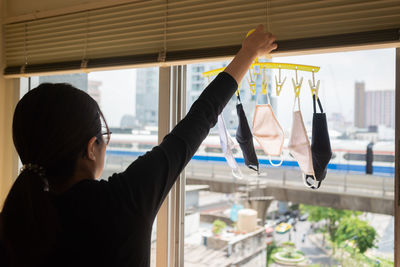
373, 108
146, 96
94, 91
380, 108
359, 105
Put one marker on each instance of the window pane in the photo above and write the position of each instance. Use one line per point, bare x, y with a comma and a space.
357, 94
129, 101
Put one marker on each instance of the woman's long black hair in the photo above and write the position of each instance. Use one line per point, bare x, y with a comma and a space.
52, 125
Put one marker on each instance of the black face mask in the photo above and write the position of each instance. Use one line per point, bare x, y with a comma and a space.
320, 147
245, 139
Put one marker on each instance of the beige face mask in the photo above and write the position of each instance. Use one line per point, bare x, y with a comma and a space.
299, 144
268, 132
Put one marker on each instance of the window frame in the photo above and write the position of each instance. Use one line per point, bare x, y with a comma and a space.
170, 218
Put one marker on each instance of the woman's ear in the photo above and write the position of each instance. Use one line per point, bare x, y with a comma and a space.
91, 148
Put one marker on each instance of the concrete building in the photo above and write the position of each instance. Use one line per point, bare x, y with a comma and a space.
373, 108
359, 104
380, 108
94, 90
146, 96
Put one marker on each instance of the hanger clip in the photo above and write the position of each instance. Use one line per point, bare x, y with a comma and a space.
279, 84
251, 83
314, 88
297, 86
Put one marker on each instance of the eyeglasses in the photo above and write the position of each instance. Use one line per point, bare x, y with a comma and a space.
106, 137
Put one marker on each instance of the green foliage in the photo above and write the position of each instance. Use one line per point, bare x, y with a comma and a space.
317, 213
218, 225
288, 244
332, 216
271, 249
359, 231
291, 255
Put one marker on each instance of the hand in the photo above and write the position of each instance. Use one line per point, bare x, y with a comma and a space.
256, 44
259, 43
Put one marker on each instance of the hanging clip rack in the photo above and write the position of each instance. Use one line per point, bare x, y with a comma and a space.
273, 65
257, 67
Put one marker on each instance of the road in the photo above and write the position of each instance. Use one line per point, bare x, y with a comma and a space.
312, 251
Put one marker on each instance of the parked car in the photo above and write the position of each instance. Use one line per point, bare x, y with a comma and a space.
283, 228
281, 219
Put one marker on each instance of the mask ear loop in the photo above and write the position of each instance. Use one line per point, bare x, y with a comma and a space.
264, 90
237, 174
276, 164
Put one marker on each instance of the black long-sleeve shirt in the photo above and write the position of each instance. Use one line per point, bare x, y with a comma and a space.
109, 223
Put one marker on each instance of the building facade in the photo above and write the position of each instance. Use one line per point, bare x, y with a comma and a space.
146, 93
373, 108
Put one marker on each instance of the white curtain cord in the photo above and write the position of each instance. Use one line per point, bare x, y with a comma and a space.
163, 54
267, 16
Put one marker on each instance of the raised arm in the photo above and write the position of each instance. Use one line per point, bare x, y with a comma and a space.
149, 179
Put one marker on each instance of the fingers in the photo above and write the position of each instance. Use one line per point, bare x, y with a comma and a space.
269, 38
267, 49
260, 42
272, 47
270, 42
260, 28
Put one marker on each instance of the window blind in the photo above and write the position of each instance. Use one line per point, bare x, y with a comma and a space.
169, 30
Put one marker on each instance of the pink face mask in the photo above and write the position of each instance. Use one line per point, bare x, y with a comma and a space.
299, 144
268, 132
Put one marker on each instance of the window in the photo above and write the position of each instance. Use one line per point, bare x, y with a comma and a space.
129, 101
358, 99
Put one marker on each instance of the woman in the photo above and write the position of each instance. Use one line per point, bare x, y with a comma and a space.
58, 214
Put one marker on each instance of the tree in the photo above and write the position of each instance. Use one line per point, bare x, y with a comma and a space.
360, 231
332, 217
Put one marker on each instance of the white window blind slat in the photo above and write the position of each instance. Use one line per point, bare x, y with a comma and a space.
148, 27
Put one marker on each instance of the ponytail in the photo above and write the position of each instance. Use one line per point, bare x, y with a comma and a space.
31, 220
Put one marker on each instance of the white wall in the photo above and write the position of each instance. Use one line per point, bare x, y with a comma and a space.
8, 96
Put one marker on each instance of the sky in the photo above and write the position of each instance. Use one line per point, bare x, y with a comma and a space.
118, 93
338, 74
